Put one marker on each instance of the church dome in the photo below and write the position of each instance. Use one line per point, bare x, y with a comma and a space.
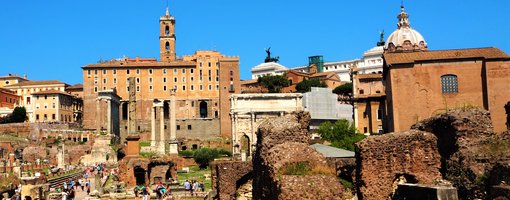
405, 38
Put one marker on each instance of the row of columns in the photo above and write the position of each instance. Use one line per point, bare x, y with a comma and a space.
160, 145
112, 112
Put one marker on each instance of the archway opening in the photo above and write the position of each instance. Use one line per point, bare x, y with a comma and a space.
140, 175
203, 109
245, 145
167, 46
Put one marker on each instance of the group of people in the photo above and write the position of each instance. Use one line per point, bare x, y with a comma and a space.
161, 191
194, 186
69, 188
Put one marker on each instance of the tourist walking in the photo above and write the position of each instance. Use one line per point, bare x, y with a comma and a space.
145, 192
70, 194
201, 185
187, 187
197, 186
81, 183
64, 194
135, 190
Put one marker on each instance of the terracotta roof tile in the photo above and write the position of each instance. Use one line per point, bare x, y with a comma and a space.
252, 81
487, 53
77, 86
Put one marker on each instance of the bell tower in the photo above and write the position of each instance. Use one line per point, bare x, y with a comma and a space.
167, 37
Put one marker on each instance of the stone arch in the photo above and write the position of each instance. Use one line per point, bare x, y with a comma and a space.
167, 30
167, 45
245, 144
203, 109
140, 175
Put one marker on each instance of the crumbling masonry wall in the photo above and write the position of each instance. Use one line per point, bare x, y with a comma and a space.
386, 160
228, 176
469, 149
282, 143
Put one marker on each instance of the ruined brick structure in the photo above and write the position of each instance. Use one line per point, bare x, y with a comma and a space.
469, 149
459, 146
283, 143
228, 176
383, 161
144, 171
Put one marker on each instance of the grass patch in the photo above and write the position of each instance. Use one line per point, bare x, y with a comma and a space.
145, 143
11, 138
148, 154
304, 168
345, 183
299, 169
195, 173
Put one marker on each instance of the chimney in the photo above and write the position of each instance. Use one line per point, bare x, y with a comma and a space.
137, 59
25, 76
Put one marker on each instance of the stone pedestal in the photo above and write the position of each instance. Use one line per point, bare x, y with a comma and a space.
174, 147
133, 146
161, 148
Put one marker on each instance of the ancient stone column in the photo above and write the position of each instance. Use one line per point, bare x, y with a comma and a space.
153, 127
234, 133
173, 123
98, 116
162, 140
109, 117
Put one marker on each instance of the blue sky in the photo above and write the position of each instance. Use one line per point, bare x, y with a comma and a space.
53, 39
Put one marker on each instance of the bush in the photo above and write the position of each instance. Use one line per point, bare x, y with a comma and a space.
341, 134
204, 156
186, 153
19, 114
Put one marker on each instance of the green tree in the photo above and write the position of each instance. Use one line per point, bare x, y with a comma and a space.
345, 89
204, 156
19, 115
273, 83
307, 84
342, 134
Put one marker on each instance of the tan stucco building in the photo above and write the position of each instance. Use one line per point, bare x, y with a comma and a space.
203, 82
368, 102
55, 106
60, 107
11, 79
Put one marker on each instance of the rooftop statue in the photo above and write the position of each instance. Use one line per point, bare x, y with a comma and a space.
269, 58
381, 39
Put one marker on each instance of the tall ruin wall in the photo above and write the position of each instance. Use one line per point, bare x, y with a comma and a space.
285, 167
386, 160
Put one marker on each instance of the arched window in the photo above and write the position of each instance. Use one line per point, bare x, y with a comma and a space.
449, 84
167, 46
167, 30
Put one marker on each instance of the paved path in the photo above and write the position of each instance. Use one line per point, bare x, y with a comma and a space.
83, 194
